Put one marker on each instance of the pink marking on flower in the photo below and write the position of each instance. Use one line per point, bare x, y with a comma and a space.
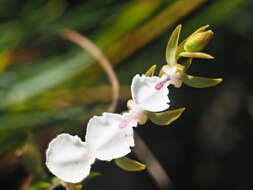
123, 124
161, 84
86, 155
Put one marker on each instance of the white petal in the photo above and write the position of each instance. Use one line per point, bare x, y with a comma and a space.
147, 96
68, 158
106, 139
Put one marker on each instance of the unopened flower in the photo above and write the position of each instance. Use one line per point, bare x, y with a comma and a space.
197, 41
69, 158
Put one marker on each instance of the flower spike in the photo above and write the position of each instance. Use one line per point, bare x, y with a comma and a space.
111, 135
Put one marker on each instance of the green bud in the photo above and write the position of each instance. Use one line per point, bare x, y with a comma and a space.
198, 41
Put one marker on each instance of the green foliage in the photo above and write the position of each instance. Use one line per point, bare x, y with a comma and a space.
200, 82
11, 140
45, 184
39, 186
165, 118
32, 158
129, 164
24, 89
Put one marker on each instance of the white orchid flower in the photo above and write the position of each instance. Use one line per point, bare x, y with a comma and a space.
150, 93
110, 136
69, 158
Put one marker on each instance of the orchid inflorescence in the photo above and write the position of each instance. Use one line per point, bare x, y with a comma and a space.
111, 135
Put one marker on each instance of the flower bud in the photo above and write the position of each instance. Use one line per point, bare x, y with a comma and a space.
198, 41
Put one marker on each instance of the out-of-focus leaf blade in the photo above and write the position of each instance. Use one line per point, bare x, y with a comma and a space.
129, 18
32, 158
10, 141
39, 186
129, 164
200, 82
165, 118
4, 60
45, 80
31, 119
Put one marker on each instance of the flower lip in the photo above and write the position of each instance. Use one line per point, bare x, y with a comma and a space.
146, 96
69, 158
109, 136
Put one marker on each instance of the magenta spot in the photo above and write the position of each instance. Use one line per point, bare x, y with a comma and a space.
123, 124
161, 84
86, 155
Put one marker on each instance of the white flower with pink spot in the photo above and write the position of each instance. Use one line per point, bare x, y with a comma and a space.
109, 136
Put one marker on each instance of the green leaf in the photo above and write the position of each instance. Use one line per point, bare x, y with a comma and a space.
172, 46
165, 118
151, 71
129, 164
200, 82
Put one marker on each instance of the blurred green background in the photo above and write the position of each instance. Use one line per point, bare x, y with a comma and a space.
49, 85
